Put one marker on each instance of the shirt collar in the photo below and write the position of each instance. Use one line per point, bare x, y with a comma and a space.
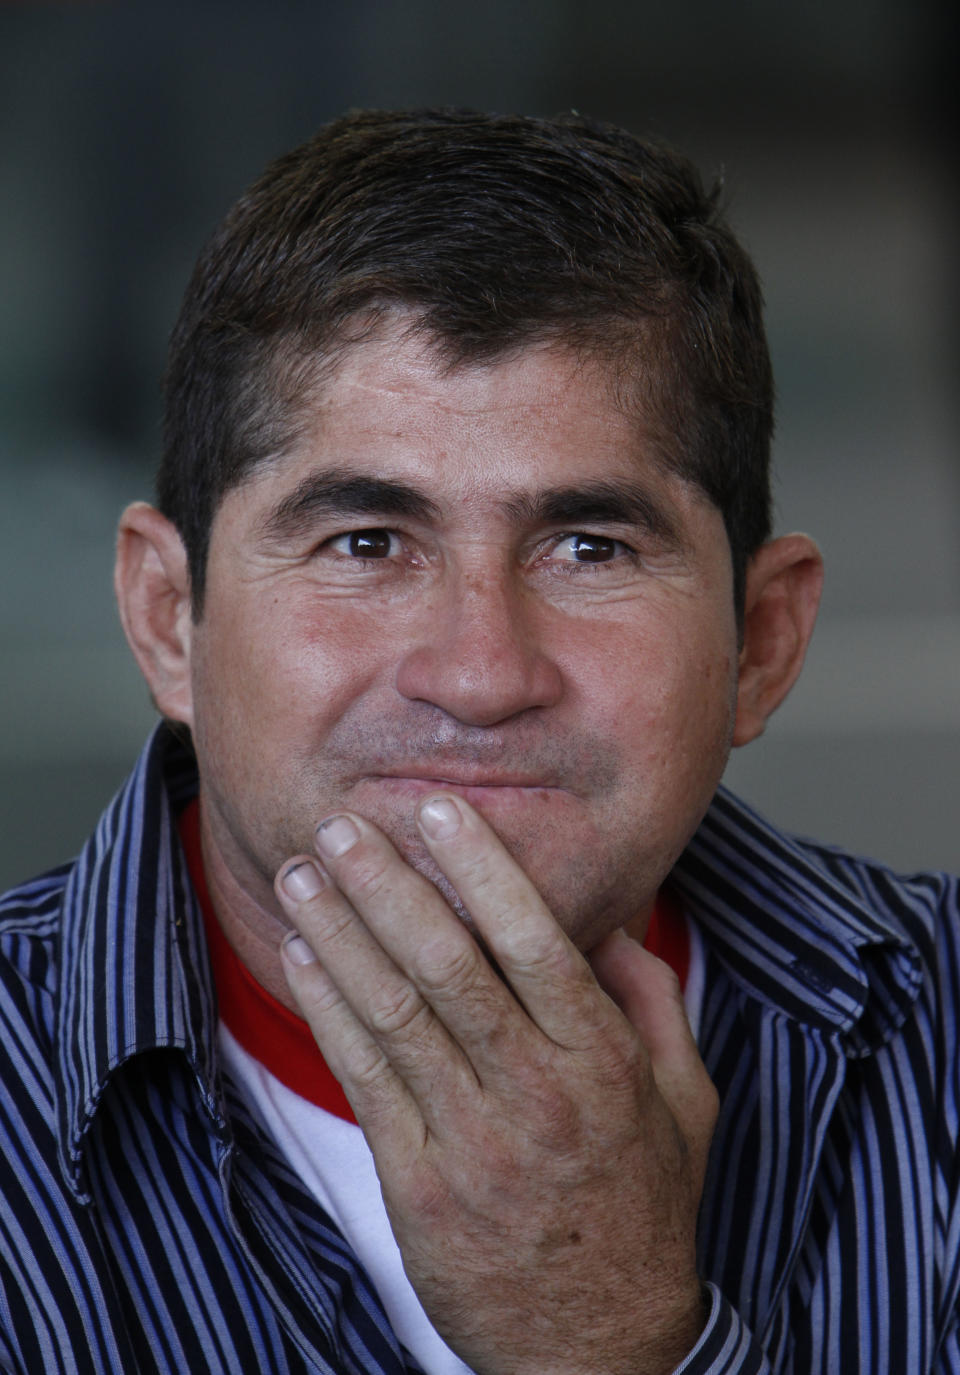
793, 924
134, 974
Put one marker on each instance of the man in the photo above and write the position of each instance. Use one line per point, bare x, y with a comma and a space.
458, 592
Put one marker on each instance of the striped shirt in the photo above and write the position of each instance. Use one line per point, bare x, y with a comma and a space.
149, 1224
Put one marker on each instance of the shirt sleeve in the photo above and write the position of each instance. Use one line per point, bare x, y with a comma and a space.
726, 1345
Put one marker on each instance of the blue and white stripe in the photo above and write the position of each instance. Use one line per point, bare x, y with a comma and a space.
148, 1224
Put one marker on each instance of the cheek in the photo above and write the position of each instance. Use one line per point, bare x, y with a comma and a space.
659, 688
288, 643
270, 686
674, 726
244, 681
330, 657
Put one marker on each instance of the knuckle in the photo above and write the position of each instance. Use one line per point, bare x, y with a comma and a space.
320, 997
535, 950
369, 1068
450, 969
560, 1120
398, 1012
553, 1117
623, 1060
331, 920
617, 1065
367, 872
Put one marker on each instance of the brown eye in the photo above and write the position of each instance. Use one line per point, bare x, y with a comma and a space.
593, 548
370, 544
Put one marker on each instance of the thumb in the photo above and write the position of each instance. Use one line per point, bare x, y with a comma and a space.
649, 995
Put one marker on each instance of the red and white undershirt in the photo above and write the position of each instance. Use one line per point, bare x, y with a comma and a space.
272, 1056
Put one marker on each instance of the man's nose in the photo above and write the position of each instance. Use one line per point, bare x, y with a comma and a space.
477, 653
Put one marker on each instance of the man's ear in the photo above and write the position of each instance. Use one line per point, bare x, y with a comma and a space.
152, 584
784, 581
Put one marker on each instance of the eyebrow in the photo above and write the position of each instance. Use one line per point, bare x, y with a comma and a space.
343, 492
597, 503
335, 492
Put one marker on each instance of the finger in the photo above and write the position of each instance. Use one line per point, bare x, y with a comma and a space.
545, 970
649, 994
414, 923
373, 1088
380, 994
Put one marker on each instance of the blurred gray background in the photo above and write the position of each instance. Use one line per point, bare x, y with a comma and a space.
127, 129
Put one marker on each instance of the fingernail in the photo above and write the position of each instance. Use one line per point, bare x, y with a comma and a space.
297, 951
303, 881
440, 818
336, 836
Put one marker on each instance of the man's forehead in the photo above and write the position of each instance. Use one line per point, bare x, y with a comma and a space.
398, 368
541, 433
398, 385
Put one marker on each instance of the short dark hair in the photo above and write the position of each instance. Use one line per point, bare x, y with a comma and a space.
494, 232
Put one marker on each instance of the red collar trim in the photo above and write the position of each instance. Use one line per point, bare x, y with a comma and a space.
668, 936
270, 1032
282, 1041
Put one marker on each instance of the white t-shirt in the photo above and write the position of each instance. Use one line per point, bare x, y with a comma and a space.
333, 1160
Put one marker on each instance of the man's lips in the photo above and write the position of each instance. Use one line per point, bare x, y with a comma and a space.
479, 788
422, 748
482, 777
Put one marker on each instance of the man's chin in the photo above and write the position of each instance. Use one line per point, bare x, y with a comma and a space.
572, 882
408, 843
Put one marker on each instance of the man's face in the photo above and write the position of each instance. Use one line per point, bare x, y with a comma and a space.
478, 580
